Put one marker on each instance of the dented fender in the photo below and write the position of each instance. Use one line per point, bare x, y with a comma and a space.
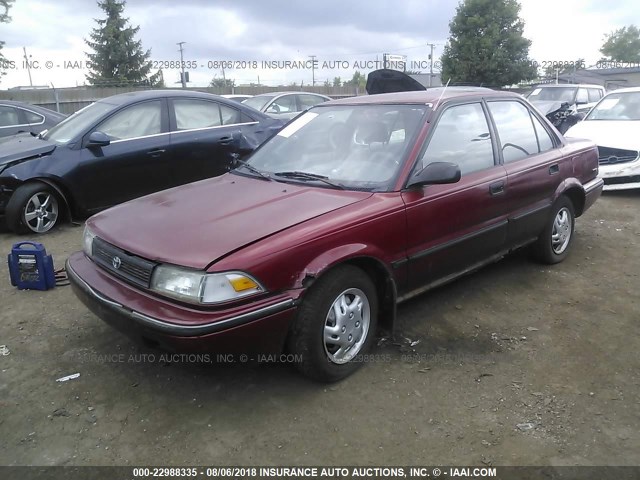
331, 258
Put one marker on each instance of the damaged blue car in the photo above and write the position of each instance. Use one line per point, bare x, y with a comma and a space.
120, 148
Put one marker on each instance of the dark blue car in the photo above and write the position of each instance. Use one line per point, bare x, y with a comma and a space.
20, 117
120, 148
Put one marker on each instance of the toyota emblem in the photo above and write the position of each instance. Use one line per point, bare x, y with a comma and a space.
116, 262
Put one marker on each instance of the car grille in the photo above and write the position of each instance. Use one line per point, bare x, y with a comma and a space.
133, 269
611, 156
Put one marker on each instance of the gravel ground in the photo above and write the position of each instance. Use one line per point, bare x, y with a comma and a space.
518, 364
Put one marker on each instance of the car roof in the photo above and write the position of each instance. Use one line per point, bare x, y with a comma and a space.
150, 94
277, 94
35, 108
625, 90
565, 85
424, 96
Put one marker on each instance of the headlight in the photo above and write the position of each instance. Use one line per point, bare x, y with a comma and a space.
87, 241
202, 288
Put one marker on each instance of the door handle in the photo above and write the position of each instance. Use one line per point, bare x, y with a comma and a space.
225, 141
496, 188
155, 153
553, 169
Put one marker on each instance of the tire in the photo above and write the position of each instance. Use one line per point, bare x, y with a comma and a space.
315, 334
554, 243
33, 208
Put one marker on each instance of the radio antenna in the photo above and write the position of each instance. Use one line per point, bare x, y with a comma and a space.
443, 90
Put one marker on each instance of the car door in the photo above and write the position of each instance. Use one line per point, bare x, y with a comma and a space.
534, 165
136, 161
9, 120
454, 227
204, 136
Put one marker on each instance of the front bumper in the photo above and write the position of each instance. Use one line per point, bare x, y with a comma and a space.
257, 327
622, 176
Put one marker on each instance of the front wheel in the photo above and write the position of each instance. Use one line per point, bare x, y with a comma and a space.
33, 207
553, 244
335, 325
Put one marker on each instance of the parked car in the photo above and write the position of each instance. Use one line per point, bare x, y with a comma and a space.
564, 105
20, 117
352, 207
237, 97
285, 105
614, 124
120, 148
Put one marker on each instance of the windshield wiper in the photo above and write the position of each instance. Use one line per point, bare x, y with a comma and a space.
295, 175
253, 169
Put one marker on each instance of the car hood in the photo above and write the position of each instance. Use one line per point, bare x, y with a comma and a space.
546, 107
391, 81
608, 133
196, 224
22, 147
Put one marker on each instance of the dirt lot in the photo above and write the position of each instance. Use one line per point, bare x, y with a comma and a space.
519, 364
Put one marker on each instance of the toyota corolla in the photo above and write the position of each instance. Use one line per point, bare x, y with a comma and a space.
354, 206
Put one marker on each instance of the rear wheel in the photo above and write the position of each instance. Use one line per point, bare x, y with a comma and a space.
33, 207
553, 245
335, 325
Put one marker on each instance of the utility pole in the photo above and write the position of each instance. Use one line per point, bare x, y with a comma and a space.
27, 63
313, 69
182, 77
431, 64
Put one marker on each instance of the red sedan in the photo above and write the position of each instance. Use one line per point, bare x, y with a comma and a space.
354, 206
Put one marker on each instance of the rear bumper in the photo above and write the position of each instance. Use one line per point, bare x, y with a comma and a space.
260, 327
592, 191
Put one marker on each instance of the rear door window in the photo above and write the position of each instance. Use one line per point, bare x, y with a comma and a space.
192, 114
229, 115
517, 136
595, 94
582, 96
284, 104
33, 118
8, 116
307, 101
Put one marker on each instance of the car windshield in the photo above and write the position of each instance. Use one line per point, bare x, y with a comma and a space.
77, 123
359, 147
553, 94
258, 102
617, 106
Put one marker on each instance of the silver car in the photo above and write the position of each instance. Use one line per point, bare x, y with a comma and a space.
286, 105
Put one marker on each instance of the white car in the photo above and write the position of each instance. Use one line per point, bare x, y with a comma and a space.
614, 125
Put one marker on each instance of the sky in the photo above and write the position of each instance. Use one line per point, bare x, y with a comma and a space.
343, 35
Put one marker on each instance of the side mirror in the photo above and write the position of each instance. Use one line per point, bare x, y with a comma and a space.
98, 139
273, 108
436, 173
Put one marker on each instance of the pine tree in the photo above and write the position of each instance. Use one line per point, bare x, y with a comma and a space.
118, 58
486, 45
